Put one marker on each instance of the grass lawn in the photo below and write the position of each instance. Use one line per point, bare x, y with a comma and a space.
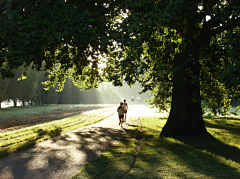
36, 109
13, 141
216, 156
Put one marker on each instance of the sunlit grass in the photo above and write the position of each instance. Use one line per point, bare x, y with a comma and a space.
216, 156
14, 141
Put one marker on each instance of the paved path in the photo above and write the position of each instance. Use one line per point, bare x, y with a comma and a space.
63, 156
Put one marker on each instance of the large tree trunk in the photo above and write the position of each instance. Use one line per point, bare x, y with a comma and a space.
185, 116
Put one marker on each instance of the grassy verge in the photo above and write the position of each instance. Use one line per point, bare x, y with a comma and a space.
11, 142
216, 156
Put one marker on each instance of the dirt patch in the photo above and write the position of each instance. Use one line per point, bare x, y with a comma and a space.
18, 122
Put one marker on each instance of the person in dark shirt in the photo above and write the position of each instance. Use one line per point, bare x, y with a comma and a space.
125, 106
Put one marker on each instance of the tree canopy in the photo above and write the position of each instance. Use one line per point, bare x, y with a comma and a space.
186, 51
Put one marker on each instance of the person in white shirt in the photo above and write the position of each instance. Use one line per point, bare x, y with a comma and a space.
125, 106
120, 111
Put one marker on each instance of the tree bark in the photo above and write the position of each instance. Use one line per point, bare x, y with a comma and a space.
185, 118
15, 103
23, 102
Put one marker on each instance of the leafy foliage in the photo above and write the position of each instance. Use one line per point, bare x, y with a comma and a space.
54, 32
152, 42
196, 39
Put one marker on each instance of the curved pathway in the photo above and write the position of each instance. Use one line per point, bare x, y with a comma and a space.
63, 156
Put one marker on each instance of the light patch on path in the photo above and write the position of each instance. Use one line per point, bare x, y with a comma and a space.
63, 156
145, 111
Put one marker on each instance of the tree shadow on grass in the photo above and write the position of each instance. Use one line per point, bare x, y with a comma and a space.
41, 135
211, 156
186, 157
158, 158
219, 127
61, 156
114, 163
222, 123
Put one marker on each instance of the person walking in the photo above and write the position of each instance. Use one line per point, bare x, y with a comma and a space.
120, 111
125, 106
132, 100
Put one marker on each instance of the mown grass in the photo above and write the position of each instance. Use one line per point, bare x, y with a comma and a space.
11, 142
213, 156
37, 109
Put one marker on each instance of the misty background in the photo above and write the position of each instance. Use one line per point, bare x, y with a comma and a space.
105, 94
32, 91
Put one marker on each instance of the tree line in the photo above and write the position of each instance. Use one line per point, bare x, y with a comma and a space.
31, 90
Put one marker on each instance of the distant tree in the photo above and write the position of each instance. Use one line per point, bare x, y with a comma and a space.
70, 93
27, 87
77, 94
50, 96
13, 90
3, 89
66, 95
40, 88
43, 96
